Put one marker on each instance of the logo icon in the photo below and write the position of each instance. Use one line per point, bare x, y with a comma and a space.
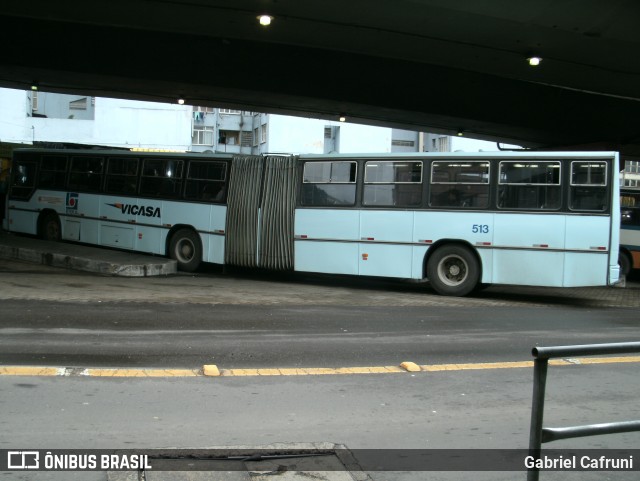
72, 201
23, 460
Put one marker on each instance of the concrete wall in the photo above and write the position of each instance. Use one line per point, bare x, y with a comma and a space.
13, 116
306, 136
126, 123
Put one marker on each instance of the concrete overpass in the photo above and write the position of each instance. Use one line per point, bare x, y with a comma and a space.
433, 65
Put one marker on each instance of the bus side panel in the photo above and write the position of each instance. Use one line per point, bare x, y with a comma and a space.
326, 240
22, 221
86, 210
378, 258
473, 228
115, 228
529, 249
486, 258
217, 222
591, 235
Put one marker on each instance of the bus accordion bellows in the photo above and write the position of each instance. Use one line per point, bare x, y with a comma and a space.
458, 220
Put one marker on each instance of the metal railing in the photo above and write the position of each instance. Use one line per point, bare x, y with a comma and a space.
539, 434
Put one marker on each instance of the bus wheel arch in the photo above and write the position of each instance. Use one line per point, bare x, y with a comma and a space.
184, 245
453, 268
625, 261
49, 227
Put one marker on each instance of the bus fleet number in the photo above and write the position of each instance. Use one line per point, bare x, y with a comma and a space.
480, 229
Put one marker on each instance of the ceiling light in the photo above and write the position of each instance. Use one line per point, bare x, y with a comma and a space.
265, 20
534, 61
181, 101
342, 118
460, 133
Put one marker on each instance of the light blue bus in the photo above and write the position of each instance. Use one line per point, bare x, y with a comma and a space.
458, 220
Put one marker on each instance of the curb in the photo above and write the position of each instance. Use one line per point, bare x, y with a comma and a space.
212, 370
88, 264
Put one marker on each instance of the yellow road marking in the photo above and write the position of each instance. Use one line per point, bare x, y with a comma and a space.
30, 371
100, 372
211, 370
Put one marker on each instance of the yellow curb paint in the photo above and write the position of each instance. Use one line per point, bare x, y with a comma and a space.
210, 370
102, 372
604, 360
484, 365
410, 367
31, 371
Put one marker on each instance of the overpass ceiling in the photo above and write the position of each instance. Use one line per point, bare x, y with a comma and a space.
431, 65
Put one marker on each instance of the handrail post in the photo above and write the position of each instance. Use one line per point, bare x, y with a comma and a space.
537, 413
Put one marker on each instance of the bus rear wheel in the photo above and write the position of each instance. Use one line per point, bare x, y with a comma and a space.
186, 249
50, 227
453, 270
625, 264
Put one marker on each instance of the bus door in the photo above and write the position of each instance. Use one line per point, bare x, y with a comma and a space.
260, 212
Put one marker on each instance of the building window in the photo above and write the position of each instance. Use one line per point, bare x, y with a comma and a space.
246, 139
443, 144
80, 104
229, 137
403, 143
230, 111
202, 136
263, 133
208, 110
256, 136
34, 100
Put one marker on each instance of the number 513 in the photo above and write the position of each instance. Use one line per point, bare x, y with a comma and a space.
480, 229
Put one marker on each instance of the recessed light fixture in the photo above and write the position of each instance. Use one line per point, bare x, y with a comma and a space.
181, 101
534, 61
460, 133
342, 118
265, 20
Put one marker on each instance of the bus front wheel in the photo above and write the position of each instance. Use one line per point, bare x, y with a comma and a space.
185, 247
453, 270
50, 227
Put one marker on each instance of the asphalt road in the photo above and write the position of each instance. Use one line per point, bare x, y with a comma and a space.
52, 317
248, 320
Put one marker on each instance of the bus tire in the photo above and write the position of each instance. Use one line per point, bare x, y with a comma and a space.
453, 270
185, 247
50, 227
625, 263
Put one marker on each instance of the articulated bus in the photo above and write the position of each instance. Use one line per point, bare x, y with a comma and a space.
458, 220
629, 230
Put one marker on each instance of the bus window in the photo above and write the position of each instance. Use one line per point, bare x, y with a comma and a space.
329, 183
53, 172
86, 174
459, 184
161, 178
206, 181
24, 180
392, 183
588, 186
122, 176
529, 185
